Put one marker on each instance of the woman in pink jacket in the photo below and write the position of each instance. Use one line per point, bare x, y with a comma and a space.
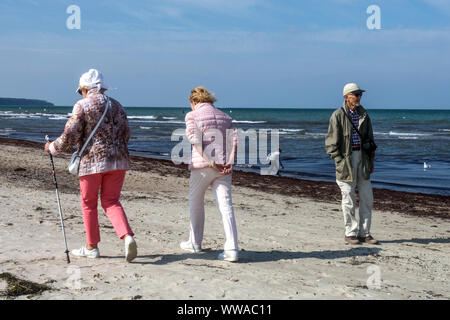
214, 141
103, 163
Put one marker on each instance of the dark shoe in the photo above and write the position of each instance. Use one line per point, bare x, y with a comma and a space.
368, 239
351, 240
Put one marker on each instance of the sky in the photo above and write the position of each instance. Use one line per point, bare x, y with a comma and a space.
250, 53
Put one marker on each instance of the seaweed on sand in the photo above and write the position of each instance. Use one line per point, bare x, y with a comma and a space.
18, 287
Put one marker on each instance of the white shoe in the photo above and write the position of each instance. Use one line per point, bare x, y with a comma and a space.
83, 252
187, 245
130, 248
229, 255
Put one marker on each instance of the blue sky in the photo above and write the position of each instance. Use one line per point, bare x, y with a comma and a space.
250, 53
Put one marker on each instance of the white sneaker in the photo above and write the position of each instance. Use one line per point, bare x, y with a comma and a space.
130, 248
229, 255
187, 245
83, 252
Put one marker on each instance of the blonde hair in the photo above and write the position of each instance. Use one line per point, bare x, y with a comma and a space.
201, 95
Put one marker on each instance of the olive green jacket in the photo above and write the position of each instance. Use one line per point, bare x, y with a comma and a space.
338, 143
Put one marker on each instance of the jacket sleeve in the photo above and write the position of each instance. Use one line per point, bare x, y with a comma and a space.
125, 125
127, 130
333, 139
372, 155
73, 131
193, 133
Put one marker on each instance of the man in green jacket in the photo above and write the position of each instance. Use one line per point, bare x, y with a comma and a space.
354, 163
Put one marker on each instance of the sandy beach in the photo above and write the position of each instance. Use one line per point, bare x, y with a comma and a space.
290, 237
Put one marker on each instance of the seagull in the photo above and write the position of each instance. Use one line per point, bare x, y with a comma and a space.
426, 165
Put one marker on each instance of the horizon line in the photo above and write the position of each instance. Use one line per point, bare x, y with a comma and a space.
226, 107
281, 108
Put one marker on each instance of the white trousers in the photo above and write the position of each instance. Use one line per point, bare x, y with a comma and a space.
353, 227
199, 182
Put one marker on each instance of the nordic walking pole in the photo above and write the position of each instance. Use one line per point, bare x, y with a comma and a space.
57, 199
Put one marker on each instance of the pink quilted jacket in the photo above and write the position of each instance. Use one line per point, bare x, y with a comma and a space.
213, 130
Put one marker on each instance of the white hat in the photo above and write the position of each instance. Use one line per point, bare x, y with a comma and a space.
91, 79
352, 87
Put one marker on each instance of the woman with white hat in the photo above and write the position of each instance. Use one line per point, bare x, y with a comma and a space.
103, 163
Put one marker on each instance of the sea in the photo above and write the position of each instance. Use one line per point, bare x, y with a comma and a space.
413, 145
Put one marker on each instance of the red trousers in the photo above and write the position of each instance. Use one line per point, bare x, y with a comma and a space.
110, 185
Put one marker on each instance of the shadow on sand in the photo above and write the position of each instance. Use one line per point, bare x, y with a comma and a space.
420, 241
258, 256
246, 256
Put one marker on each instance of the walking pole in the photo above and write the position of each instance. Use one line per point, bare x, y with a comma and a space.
59, 204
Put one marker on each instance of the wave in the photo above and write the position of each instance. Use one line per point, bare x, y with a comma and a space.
293, 130
141, 117
59, 118
151, 118
402, 134
37, 115
19, 115
440, 134
316, 134
145, 128
248, 121
284, 130
392, 133
159, 121
6, 131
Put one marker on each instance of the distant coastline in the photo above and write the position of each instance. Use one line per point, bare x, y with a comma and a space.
13, 102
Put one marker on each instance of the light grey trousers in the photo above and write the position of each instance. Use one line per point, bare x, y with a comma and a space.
199, 182
353, 226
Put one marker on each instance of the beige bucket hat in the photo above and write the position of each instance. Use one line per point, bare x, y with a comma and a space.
352, 87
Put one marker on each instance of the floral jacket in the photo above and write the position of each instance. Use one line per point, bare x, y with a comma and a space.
108, 148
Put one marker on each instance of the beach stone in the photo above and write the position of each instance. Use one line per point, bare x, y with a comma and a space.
8, 224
